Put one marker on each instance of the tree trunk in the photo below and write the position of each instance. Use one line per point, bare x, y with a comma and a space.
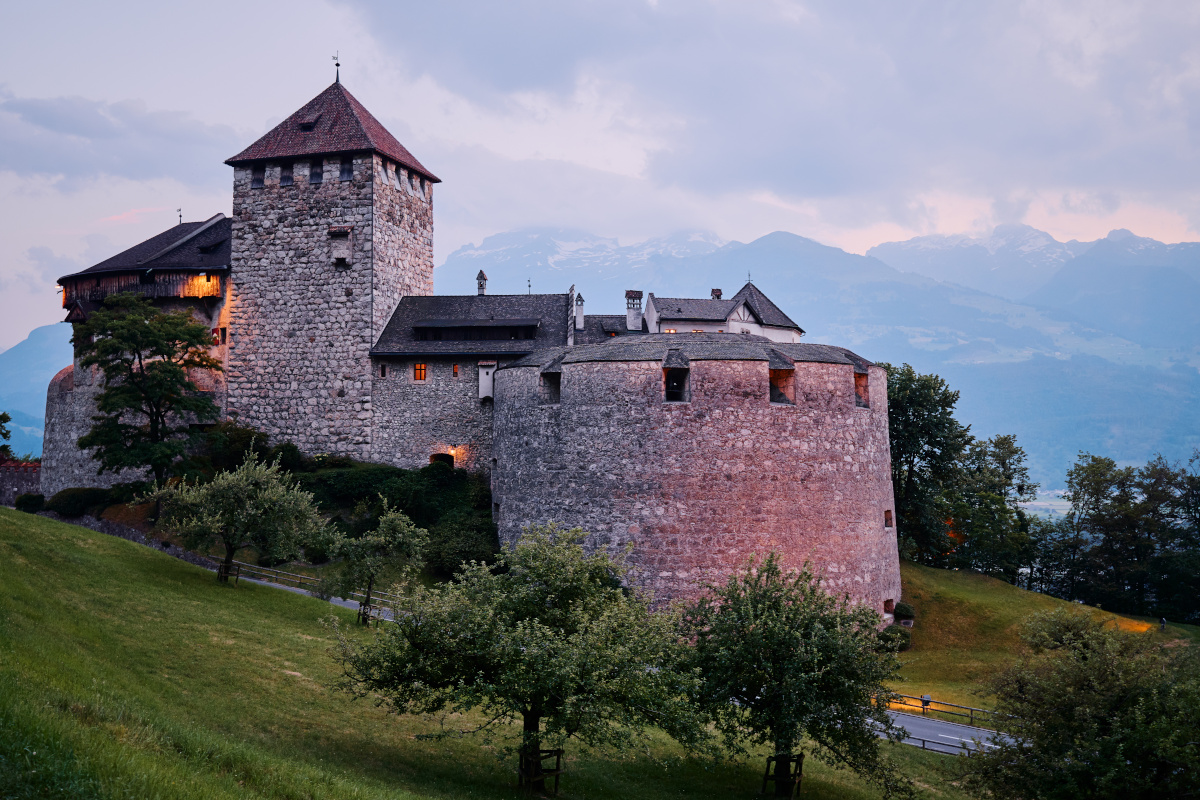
226, 565
531, 777
789, 768
364, 608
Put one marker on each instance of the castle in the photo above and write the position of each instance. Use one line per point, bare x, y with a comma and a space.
698, 431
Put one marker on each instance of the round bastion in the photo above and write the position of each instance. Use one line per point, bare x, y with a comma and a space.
699, 451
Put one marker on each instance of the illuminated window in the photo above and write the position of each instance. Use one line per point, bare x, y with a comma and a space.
418, 372
610, 333
862, 393
669, 330
456, 370
697, 330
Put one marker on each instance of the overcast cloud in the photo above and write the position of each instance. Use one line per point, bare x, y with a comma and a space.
849, 123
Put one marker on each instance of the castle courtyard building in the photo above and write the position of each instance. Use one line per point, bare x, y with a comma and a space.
698, 432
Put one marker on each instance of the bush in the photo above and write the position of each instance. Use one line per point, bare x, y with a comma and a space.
904, 611
896, 636
290, 458
462, 535
29, 503
127, 492
77, 502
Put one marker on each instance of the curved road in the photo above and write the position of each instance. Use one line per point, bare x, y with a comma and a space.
940, 736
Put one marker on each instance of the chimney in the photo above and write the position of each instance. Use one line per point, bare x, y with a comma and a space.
716, 294
578, 312
481, 282
633, 309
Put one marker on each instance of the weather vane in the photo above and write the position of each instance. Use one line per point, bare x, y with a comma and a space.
179, 211
337, 66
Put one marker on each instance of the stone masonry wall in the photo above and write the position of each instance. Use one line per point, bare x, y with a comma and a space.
414, 420
302, 326
17, 479
403, 240
698, 487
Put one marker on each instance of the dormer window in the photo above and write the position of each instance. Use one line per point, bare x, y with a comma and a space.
257, 175
309, 123
285, 175
347, 169
783, 386
675, 385
316, 172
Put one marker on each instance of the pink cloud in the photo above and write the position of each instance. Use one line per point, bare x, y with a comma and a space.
133, 215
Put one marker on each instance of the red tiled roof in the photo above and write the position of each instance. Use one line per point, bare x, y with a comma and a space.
332, 122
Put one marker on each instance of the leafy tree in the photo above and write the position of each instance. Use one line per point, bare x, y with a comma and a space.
546, 637
1090, 711
255, 505
990, 529
6, 452
395, 544
927, 444
782, 662
148, 399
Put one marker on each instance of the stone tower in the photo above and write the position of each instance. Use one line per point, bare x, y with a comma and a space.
332, 226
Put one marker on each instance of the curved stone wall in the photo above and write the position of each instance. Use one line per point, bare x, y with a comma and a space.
697, 487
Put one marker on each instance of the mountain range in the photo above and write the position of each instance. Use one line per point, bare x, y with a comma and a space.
1073, 346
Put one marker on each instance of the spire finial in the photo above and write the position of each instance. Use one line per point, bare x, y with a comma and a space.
179, 211
337, 66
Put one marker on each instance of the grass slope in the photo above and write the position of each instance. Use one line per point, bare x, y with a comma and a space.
128, 674
968, 626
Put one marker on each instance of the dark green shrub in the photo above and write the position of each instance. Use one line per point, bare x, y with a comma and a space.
77, 502
461, 535
29, 503
290, 457
904, 611
896, 636
127, 492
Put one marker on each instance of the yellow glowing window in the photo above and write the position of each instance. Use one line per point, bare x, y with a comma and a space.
697, 330
418, 372
456, 370
669, 330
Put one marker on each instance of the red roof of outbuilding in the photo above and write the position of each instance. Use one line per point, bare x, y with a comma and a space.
332, 122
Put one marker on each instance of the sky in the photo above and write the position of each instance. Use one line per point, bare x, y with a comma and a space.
849, 123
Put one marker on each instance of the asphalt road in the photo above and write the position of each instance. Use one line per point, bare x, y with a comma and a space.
940, 736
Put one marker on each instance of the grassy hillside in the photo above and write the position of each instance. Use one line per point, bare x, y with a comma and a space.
967, 628
128, 674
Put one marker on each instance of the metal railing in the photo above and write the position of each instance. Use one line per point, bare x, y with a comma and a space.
241, 569
927, 705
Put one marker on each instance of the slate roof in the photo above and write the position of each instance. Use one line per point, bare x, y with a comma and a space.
336, 123
698, 310
596, 328
549, 311
697, 347
189, 247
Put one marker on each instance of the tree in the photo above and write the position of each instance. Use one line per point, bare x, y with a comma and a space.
255, 505
547, 637
396, 543
5, 449
990, 529
927, 443
781, 661
1091, 711
148, 400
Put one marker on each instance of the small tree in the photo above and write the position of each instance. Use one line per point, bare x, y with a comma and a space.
5, 449
546, 637
1090, 711
396, 543
148, 400
781, 661
255, 505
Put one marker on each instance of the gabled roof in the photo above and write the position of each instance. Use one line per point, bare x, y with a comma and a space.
550, 312
767, 312
686, 348
332, 122
188, 247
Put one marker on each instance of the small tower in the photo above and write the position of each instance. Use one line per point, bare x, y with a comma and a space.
579, 318
481, 282
633, 309
332, 226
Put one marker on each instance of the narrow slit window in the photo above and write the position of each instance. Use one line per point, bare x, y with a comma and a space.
383, 370
258, 176
675, 382
887, 519
862, 393
419, 372
224, 335
347, 169
456, 370
316, 172
783, 386
285, 175
551, 387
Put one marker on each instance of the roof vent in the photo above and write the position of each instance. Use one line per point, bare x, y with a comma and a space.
309, 123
